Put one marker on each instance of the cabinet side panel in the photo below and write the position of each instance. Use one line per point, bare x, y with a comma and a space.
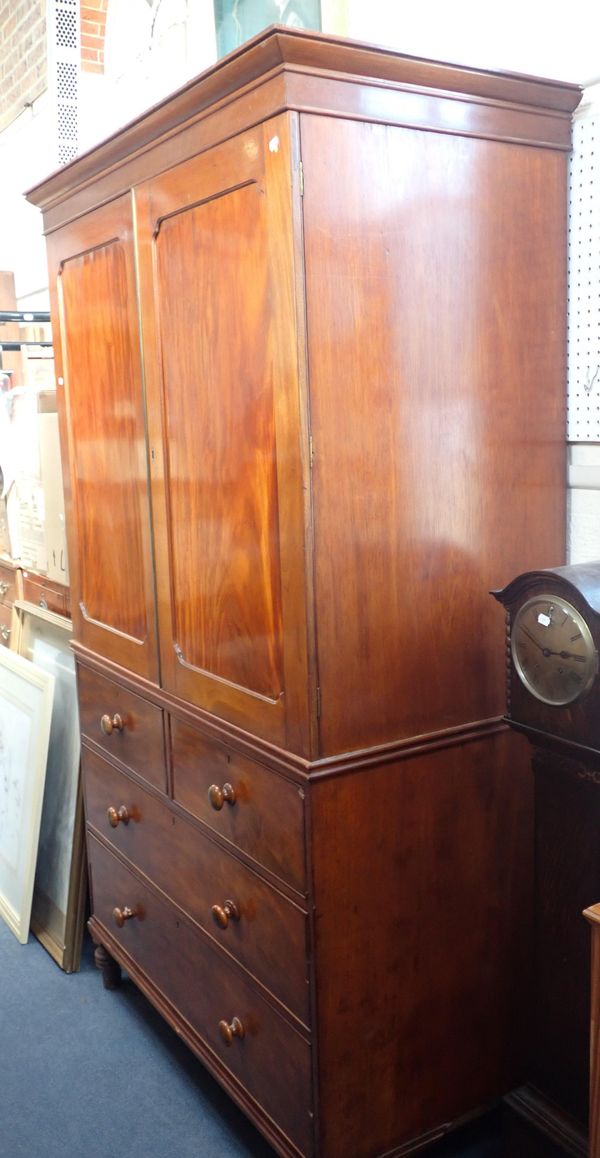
436, 333
424, 958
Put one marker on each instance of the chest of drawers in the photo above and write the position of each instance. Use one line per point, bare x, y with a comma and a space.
194, 873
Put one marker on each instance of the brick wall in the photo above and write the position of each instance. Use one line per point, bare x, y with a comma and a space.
24, 59
93, 27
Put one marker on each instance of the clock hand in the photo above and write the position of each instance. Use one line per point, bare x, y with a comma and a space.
544, 650
565, 654
547, 651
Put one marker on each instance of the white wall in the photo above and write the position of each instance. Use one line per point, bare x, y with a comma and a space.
27, 155
542, 37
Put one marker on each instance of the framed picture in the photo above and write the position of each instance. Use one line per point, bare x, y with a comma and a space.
238, 20
26, 696
60, 889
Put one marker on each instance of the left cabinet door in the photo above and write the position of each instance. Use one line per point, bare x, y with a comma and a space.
96, 333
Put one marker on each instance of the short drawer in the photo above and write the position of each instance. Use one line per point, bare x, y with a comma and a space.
10, 585
128, 727
271, 1060
5, 625
257, 810
251, 920
44, 593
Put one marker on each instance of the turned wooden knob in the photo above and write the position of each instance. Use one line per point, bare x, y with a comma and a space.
111, 724
225, 913
218, 796
124, 914
228, 1032
118, 816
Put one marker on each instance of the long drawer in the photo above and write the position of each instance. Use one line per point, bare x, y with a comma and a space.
257, 810
127, 727
250, 919
260, 1048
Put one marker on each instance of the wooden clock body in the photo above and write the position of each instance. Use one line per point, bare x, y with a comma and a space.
566, 768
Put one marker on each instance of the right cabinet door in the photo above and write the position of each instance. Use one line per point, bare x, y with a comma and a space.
216, 250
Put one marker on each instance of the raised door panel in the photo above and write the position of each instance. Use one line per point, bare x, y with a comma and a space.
217, 266
435, 276
93, 280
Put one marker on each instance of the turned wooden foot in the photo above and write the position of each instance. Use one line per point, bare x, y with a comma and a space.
110, 970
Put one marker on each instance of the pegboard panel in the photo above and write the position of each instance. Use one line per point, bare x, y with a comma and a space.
63, 49
584, 282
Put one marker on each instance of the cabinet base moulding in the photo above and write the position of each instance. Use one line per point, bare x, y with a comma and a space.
547, 1119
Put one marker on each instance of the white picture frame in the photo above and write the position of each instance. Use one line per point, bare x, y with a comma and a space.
26, 697
60, 886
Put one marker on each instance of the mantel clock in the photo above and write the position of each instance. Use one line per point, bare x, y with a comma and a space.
553, 640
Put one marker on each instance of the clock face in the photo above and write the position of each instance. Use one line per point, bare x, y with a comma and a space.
553, 650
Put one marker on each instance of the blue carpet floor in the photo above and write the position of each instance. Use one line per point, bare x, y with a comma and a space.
91, 1073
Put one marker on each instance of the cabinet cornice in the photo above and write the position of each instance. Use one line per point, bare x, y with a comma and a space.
328, 74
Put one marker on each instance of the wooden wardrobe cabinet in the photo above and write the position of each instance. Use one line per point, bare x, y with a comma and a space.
309, 317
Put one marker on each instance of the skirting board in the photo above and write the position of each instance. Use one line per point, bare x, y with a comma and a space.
531, 1105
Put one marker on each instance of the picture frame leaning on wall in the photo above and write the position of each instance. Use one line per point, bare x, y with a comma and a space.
60, 889
26, 698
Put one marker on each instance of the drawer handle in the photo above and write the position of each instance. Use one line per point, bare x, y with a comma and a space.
5, 633
125, 914
228, 1032
3, 588
218, 796
225, 913
111, 724
118, 816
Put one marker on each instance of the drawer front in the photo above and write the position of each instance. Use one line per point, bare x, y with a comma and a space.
10, 586
46, 594
265, 818
132, 731
5, 625
271, 1060
255, 922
